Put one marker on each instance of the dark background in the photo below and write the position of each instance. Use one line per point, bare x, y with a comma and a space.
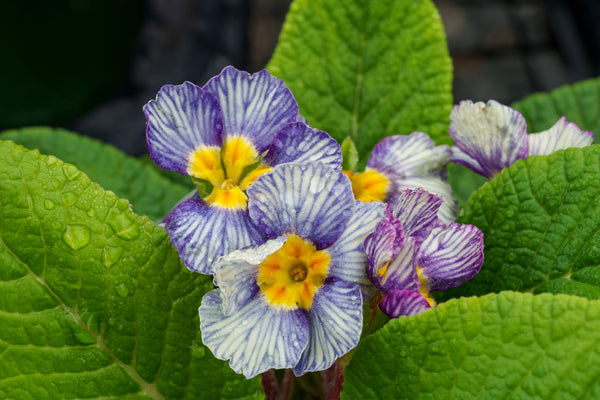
90, 65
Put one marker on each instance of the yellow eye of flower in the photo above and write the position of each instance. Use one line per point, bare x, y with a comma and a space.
424, 288
224, 169
290, 277
369, 185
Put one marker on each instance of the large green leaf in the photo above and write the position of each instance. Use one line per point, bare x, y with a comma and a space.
136, 180
501, 346
579, 103
94, 300
367, 69
541, 223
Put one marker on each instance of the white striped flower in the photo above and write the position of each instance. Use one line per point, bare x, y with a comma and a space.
224, 135
295, 300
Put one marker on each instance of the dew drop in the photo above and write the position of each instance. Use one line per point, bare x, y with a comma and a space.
49, 204
91, 212
122, 290
295, 343
511, 256
402, 353
76, 236
57, 225
199, 352
56, 183
83, 336
69, 198
112, 255
51, 160
510, 213
71, 171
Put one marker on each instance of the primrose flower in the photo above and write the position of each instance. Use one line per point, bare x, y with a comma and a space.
406, 162
224, 136
295, 300
412, 254
490, 137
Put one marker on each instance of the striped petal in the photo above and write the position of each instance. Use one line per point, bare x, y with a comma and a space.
256, 106
451, 256
348, 257
202, 233
401, 271
335, 321
312, 201
417, 211
181, 119
562, 135
254, 339
299, 143
399, 303
493, 136
382, 246
235, 274
409, 155
447, 212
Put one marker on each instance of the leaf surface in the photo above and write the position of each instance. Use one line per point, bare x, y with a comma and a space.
94, 300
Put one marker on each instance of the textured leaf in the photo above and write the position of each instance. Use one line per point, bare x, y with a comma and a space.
579, 103
367, 69
501, 346
541, 222
149, 192
94, 300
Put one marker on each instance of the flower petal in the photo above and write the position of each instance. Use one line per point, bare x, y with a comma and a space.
383, 244
235, 273
447, 212
398, 303
255, 106
401, 271
451, 256
417, 211
254, 339
409, 155
562, 135
299, 143
348, 257
181, 119
312, 201
335, 323
492, 135
202, 233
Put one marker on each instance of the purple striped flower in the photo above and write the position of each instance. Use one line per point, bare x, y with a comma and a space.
406, 162
224, 135
295, 299
490, 137
412, 253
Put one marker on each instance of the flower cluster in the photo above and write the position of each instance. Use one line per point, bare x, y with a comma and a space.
490, 137
295, 245
411, 254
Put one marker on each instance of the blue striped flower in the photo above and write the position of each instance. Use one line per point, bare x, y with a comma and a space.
403, 162
224, 135
490, 137
411, 254
295, 300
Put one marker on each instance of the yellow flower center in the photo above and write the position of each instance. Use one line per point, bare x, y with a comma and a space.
369, 185
290, 277
225, 169
424, 288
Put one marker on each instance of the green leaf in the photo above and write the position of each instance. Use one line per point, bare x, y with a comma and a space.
367, 69
541, 222
579, 103
501, 346
94, 300
149, 192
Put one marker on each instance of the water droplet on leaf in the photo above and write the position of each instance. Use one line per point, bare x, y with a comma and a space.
69, 198
71, 171
49, 204
76, 236
124, 227
199, 352
122, 290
